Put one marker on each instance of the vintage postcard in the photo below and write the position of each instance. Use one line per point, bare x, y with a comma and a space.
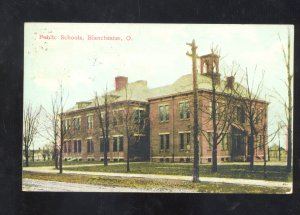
179, 108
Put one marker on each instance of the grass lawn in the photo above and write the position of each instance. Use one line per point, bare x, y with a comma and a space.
51, 163
155, 183
274, 173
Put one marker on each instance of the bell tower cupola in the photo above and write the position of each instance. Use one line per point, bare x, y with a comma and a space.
209, 64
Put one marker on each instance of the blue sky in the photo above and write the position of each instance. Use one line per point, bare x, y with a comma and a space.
156, 53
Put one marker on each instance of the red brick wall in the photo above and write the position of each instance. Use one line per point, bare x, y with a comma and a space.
95, 133
176, 125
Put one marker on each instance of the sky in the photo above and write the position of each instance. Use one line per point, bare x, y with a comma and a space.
152, 52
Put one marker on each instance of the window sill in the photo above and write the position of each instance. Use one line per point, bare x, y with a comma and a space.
186, 119
163, 122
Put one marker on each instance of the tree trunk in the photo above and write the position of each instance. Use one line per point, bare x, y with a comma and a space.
33, 152
128, 154
105, 152
251, 151
26, 156
56, 157
265, 161
61, 145
60, 159
106, 141
290, 109
214, 167
279, 151
289, 151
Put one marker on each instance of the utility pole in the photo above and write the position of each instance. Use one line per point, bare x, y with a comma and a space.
279, 147
32, 151
194, 56
61, 132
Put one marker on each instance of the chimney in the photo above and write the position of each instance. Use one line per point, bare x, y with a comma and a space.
121, 82
230, 82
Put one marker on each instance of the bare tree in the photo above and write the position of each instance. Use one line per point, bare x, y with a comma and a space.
63, 126
288, 106
252, 106
266, 137
30, 128
50, 129
104, 123
46, 151
220, 111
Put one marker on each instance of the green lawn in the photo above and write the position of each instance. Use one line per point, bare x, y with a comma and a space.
274, 173
155, 183
51, 163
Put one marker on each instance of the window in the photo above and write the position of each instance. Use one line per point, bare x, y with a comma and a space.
214, 67
164, 113
184, 110
115, 144
139, 116
118, 144
205, 66
167, 137
77, 123
209, 140
240, 114
209, 108
181, 141
218, 109
260, 142
69, 147
103, 119
120, 116
67, 124
224, 145
121, 143
77, 146
102, 145
164, 141
188, 138
185, 139
90, 146
90, 121
162, 144
115, 120
259, 116
65, 147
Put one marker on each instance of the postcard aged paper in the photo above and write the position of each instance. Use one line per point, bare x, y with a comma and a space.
158, 108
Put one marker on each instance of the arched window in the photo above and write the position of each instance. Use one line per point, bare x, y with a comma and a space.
205, 67
214, 67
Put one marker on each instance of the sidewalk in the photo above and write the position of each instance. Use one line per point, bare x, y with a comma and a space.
168, 177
